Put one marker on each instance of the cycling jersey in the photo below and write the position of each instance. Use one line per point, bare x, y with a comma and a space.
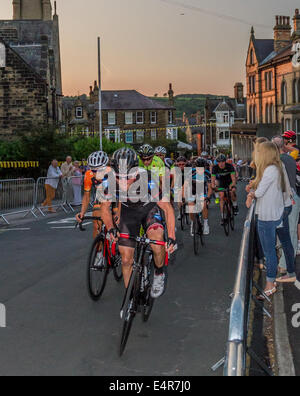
224, 175
91, 180
157, 166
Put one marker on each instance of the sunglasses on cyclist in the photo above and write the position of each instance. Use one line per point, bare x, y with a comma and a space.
146, 159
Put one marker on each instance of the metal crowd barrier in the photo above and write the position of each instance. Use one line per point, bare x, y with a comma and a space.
17, 196
57, 194
245, 173
235, 361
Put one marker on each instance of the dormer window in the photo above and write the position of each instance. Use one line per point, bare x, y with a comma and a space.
252, 57
79, 112
2, 55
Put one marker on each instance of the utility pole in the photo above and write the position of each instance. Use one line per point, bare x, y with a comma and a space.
100, 92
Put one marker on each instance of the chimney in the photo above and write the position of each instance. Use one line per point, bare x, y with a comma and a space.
296, 19
171, 95
282, 32
239, 93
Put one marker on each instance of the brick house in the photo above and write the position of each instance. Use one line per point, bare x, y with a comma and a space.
273, 77
127, 116
30, 67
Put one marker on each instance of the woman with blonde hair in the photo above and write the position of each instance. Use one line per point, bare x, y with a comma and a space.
270, 187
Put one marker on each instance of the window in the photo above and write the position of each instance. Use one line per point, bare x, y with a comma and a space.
111, 118
267, 114
269, 81
271, 114
170, 117
252, 84
153, 134
284, 93
128, 118
297, 126
140, 117
227, 135
128, 137
296, 91
221, 136
287, 125
79, 112
153, 117
140, 136
251, 57
225, 118
2, 55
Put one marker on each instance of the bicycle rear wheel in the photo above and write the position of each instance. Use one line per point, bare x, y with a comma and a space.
182, 217
97, 269
196, 236
226, 219
130, 307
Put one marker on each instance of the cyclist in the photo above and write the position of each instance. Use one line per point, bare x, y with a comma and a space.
290, 142
227, 179
149, 161
181, 163
161, 152
133, 213
199, 177
96, 177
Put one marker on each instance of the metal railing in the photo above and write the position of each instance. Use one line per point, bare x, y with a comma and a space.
245, 173
51, 193
17, 197
235, 361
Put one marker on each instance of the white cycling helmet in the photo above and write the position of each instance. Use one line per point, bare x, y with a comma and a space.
99, 159
160, 150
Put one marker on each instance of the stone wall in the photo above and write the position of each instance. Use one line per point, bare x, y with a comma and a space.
23, 99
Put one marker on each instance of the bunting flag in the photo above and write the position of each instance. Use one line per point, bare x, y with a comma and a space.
19, 164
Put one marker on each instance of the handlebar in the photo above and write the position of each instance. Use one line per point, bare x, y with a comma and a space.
143, 240
80, 225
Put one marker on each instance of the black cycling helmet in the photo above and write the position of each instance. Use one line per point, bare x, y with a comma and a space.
169, 163
181, 159
221, 158
124, 156
201, 163
146, 151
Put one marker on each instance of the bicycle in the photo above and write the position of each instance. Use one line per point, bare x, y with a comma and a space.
184, 216
138, 294
198, 233
228, 213
104, 257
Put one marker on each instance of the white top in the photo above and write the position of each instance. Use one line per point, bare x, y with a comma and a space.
270, 198
53, 176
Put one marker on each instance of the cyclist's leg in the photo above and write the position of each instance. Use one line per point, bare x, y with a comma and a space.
222, 200
97, 225
234, 200
127, 254
153, 223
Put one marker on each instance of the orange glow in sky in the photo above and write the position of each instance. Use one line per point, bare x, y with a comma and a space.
146, 44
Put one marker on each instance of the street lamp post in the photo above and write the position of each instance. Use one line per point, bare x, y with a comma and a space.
100, 93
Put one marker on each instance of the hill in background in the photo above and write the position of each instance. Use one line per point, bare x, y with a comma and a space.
189, 103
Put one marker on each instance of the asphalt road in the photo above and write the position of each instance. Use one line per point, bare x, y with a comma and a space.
53, 328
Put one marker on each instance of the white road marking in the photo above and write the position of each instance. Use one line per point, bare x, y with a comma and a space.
68, 227
15, 229
67, 220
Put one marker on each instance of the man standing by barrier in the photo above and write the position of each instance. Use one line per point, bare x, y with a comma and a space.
67, 170
54, 175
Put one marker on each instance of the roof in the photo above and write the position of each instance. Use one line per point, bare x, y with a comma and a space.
240, 110
263, 48
129, 100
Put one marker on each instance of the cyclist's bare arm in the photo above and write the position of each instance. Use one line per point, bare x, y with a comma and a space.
233, 178
213, 182
106, 215
170, 217
85, 205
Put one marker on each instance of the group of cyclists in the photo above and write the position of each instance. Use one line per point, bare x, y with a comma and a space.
154, 214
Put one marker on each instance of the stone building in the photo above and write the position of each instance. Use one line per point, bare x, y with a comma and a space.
273, 77
30, 67
127, 116
220, 116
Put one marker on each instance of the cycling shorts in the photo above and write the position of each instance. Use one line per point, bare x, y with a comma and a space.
133, 218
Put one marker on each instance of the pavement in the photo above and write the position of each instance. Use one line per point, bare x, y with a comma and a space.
53, 328
291, 298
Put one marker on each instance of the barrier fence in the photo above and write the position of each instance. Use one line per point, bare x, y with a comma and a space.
17, 197
245, 173
240, 327
27, 196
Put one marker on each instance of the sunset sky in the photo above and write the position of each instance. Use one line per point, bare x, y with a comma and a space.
146, 44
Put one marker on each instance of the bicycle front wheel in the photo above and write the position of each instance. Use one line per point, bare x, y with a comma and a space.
97, 269
117, 267
130, 307
226, 219
196, 236
232, 220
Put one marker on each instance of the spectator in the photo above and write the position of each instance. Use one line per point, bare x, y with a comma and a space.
269, 188
53, 177
67, 168
291, 168
84, 167
77, 183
